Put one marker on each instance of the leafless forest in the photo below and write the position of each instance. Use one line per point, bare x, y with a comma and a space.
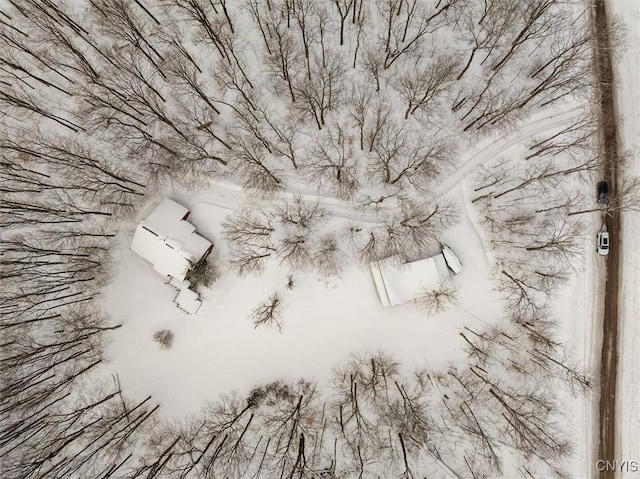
102, 102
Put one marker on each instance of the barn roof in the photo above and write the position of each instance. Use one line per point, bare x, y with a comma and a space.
398, 282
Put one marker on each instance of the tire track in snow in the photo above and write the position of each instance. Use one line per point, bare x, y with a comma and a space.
474, 226
228, 195
504, 142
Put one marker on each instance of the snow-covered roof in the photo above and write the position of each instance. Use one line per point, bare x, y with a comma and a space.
187, 300
452, 260
166, 217
399, 282
168, 241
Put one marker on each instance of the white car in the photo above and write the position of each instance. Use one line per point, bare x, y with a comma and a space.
603, 243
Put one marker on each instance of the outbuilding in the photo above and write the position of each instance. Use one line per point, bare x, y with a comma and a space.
398, 282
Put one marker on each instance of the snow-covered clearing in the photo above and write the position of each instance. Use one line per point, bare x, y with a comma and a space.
326, 319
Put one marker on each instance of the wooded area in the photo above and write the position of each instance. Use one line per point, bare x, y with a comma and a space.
104, 101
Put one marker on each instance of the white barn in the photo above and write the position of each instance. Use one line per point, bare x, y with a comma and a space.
398, 282
169, 242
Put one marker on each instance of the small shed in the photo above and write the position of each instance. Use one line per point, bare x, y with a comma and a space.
168, 241
186, 299
399, 282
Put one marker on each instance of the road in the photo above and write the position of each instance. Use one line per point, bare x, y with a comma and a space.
609, 147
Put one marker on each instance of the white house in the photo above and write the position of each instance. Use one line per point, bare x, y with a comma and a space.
399, 282
169, 242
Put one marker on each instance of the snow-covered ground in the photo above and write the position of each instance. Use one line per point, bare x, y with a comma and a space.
578, 306
495, 145
627, 74
326, 319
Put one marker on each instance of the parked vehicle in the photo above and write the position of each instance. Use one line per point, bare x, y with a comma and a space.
603, 192
603, 243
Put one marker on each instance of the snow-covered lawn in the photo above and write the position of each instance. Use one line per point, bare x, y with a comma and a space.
325, 320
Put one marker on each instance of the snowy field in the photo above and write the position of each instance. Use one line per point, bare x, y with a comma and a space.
326, 319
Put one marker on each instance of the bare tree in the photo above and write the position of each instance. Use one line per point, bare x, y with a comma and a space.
361, 17
295, 250
304, 13
343, 7
563, 73
359, 107
64, 51
388, 10
373, 405
120, 21
257, 12
230, 77
24, 102
86, 171
285, 59
373, 247
164, 338
252, 163
331, 162
575, 139
219, 442
422, 87
328, 257
269, 313
486, 24
400, 44
435, 301
400, 158
534, 22
250, 258
382, 111
411, 232
198, 12
286, 138
248, 226
250, 233
300, 215
527, 298
558, 238
294, 420
373, 62
323, 91
185, 71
